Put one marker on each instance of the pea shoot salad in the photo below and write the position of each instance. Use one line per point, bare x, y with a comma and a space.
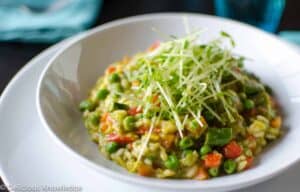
182, 110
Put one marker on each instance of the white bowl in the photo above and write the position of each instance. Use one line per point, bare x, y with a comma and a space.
73, 71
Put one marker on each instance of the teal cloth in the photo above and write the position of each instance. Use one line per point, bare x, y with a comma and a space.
35, 23
291, 36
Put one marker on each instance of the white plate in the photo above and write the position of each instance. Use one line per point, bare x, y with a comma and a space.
35, 161
73, 71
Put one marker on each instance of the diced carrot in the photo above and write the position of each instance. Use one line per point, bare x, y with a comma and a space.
125, 60
274, 102
251, 137
168, 141
135, 83
276, 122
156, 130
236, 69
155, 98
154, 46
232, 150
145, 170
201, 174
251, 140
213, 159
103, 127
203, 121
104, 117
252, 112
105, 121
129, 146
144, 129
111, 69
134, 111
249, 162
119, 138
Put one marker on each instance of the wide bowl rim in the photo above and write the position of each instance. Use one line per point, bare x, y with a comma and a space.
151, 182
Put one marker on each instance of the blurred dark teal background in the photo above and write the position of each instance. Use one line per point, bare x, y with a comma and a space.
265, 14
48, 21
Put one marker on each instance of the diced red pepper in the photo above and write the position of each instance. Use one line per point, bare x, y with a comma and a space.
213, 159
119, 138
201, 174
251, 113
154, 46
236, 69
249, 162
232, 150
134, 111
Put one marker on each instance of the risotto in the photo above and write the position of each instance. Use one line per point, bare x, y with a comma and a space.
182, 110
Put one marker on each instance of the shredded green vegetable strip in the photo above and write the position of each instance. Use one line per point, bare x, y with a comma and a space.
186, 76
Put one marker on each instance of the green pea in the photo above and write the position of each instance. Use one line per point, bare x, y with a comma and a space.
172, 162
165, 115
269, 89
252, 87
241, 62
214, 172
208, 116
116, 106
102, 94
129, 123
243, 95
186, 44
229, 166
94, 119
151, 113
114, 78
194, 124
261, 99
86, 105
186, 143
248, 104
117, 87
227, 76
125, 83
189, 158
111, 147
187, 152
139, 116
205, 149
